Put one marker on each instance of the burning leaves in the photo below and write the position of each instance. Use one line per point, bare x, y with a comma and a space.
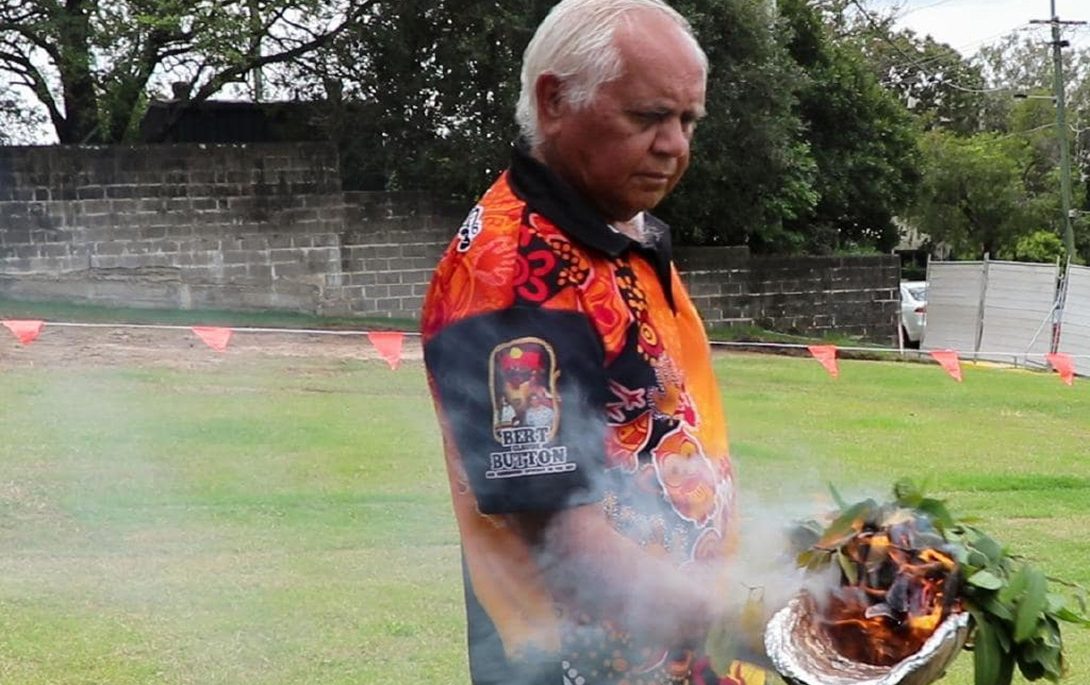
905, 566
896, 585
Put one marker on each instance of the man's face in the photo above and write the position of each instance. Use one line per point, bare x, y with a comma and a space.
628, 148
517, 387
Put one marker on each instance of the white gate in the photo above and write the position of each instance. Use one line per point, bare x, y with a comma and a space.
1075, 331
1018, 307
1004, 311
954, 293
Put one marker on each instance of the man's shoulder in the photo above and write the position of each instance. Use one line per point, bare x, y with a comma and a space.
477, 272
497, 216
505, 252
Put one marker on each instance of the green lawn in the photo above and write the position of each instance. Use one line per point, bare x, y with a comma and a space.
287, 520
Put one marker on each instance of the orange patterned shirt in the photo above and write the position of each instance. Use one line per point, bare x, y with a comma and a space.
569, 367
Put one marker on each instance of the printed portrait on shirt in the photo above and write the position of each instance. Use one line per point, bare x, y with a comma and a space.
524, 386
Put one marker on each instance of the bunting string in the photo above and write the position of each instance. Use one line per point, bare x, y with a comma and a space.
888, 350
236, 329
389, 344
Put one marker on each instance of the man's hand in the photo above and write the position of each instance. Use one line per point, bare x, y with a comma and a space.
586, 563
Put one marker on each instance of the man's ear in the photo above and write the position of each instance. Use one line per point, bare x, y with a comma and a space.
551, 102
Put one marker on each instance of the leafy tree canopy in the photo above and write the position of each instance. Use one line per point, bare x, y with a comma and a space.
752, 169
90, 63
972, 193
862, 139
424, 96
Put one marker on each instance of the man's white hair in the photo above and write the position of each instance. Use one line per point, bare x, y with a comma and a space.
575, 43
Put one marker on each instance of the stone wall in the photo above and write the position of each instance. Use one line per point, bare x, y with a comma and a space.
389, 248
183, 226
266, 226
211, 226
854, 295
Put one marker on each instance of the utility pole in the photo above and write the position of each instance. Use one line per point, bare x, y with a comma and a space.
1061, 122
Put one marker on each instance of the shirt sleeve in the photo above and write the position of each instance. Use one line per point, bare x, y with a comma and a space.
523, 391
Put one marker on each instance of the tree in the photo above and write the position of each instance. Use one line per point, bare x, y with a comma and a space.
937, 84
752, 170
438, 83
1021, 64
17, 125
423, 97
90, 62
862, 140
997, 193
1039, 246
973, 195
932, 79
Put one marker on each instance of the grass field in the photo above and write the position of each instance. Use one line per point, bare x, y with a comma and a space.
287, 520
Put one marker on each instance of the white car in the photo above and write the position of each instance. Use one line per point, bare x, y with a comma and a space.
913, 311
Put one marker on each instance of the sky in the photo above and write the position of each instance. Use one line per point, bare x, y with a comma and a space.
966, 25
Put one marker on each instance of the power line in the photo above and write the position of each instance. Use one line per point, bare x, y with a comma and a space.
959, 48
1028, 131
925, 7
912, 61
979, 91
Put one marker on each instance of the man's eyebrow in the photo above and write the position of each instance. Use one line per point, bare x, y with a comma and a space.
698, 112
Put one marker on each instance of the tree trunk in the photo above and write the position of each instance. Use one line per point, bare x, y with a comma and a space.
80, 100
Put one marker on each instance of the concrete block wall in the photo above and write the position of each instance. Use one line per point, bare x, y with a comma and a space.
851, 295
390, 245
266, 226
191, 226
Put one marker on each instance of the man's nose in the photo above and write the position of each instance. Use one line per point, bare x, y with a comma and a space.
672, 138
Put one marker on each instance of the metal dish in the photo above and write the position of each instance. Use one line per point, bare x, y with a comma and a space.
804, 655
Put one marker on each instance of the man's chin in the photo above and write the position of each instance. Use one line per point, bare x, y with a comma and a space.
648, 202
631, 208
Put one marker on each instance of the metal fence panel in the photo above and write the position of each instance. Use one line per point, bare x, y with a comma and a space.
954, 291
1075, 334
1018, 304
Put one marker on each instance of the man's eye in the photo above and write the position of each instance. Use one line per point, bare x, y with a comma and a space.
649, 117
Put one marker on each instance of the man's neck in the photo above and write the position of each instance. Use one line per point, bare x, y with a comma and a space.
635, 228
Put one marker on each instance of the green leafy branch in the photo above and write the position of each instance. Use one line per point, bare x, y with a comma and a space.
1016, 615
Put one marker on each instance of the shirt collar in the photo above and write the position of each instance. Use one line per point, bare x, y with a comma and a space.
547, 194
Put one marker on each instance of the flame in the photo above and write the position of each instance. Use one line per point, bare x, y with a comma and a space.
892, 596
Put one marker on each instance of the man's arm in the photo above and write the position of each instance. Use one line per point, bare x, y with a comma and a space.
584, 560
589, 565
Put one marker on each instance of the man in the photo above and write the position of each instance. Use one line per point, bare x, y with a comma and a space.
584, 436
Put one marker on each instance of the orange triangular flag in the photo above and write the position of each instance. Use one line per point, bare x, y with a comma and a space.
826, 354
949, 361
25, 330
214, 336
388, 344
1064, 365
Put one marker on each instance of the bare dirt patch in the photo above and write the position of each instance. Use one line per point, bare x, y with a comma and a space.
179, 347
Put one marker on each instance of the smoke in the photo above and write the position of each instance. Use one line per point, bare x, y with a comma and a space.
763, 568
642, 577
767, 554
241, 521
